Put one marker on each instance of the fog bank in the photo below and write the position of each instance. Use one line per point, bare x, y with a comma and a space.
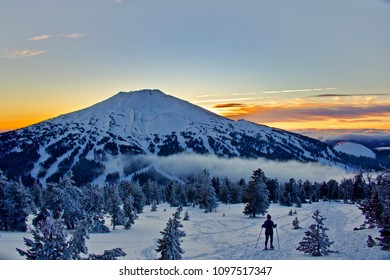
182, 165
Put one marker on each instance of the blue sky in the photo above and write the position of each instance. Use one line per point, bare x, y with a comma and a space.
275, 62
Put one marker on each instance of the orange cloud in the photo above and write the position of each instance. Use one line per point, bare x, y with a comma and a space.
298, 113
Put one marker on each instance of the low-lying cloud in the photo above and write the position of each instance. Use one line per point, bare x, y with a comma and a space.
183, 165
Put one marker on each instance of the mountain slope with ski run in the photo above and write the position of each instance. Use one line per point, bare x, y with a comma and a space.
99, 142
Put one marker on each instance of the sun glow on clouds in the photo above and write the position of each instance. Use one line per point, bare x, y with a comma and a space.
322, 110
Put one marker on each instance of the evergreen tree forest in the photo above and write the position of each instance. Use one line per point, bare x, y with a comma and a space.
71, 205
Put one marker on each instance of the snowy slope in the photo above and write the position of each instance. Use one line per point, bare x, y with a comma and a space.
104, 138
233, 236
354, 149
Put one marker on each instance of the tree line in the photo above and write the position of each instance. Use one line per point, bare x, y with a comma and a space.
123, 200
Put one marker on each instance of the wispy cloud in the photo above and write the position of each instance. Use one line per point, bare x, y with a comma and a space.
74, 36
40, 37
17, 54
350, 95
298, 90
229, 105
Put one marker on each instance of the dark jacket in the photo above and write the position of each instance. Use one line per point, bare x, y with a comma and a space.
269, 225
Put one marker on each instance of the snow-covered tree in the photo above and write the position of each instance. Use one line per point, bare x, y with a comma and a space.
376, 209
383, 218
273, 188
113, 203
50, 241
186, 216
112, 254
156, 191
295, 223
65, 198
133, 188
77, 243
154, 206
191, 190
93, 205
15, 205
170, 243
172, 197
359, 188
224, 191
207, 197
288, 196
316, 242
129, 212
236, 191
256, 195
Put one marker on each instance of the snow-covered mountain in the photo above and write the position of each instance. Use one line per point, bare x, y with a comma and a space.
354, 149
89, 142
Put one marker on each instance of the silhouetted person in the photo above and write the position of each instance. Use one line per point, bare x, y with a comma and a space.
269, 232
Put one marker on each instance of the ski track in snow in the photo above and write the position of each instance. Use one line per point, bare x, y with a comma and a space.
228, 234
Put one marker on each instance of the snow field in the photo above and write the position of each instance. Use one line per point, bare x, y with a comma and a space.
229, 235
354, 149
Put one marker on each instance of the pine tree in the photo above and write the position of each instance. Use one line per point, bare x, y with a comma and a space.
50, 241
111, 254
173, 190
77, 243
133, 188
376, 209
154, 206
113, 203
295, 223
186, 216
129, 212
207, 197
16, 204
316, 242
224, 191
236, 191
170, 243
65, 199
288, 196
273, 186
93, 205
383, 188
256, 195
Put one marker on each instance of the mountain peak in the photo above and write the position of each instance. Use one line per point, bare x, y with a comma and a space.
100, 141
143, 92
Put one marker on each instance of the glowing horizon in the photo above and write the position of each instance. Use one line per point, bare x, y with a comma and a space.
296, 65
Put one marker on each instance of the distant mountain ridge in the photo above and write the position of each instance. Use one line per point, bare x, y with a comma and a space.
147, 122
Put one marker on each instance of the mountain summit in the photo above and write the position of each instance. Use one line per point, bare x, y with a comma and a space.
92, 141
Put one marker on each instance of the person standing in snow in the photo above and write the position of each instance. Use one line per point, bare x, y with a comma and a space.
269, 232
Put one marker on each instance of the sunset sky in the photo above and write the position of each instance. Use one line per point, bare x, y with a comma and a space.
292, 64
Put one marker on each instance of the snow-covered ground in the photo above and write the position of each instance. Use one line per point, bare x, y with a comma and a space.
230, 235
354, 149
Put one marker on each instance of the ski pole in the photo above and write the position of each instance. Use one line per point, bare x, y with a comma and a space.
258, 237
277, 235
